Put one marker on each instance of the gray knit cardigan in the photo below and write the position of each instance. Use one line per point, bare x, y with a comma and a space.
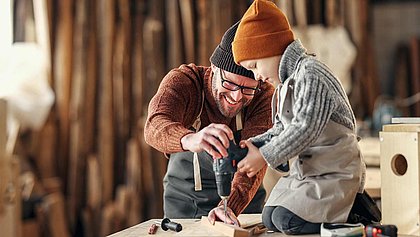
319, 97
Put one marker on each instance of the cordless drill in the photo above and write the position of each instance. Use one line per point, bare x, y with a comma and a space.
226, 167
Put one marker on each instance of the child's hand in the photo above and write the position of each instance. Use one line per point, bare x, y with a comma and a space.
253, 161
218, 213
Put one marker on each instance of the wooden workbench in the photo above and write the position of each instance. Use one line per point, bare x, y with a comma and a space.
193, 227
190, 227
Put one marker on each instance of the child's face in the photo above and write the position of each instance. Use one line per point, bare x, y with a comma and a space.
264, 69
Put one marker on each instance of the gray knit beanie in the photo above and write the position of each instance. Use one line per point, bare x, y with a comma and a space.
222, 56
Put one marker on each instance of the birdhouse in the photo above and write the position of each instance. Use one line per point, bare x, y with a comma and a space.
400, 177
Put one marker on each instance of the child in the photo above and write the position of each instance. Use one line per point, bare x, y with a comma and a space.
313, 121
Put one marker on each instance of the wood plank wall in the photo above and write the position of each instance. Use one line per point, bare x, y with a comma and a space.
108, 58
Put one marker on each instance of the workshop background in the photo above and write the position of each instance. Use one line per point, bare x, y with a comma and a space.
78, 76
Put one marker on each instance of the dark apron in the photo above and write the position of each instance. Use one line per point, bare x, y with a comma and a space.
180, 200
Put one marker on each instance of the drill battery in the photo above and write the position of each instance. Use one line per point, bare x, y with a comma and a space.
378, 230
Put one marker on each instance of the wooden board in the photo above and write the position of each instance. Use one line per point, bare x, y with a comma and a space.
190, 227
410, 120
225, 229
194, 227
401, 128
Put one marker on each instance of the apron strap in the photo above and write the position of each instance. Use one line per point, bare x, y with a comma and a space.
196, 164
274, 105
197, 173
239, 121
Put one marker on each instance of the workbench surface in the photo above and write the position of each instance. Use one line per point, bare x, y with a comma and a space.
190, 227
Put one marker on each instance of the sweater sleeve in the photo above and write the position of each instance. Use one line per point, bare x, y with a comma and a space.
257, 121
314, 104
174, 105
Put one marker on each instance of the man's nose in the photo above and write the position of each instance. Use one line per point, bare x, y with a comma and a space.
236, 95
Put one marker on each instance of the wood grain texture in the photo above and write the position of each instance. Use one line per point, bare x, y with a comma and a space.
106, 133
400, 180
63, 58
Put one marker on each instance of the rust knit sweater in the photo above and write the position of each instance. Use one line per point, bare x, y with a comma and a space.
177, 103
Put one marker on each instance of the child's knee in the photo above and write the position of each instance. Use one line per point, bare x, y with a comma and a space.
286, 221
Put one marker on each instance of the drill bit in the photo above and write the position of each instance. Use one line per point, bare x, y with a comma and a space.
225, 207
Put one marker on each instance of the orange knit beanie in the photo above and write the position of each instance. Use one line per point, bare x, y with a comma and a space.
264, 31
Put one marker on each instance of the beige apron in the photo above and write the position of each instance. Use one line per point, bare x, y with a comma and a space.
323, 181
189, 184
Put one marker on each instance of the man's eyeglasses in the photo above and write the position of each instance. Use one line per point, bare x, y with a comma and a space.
234, 87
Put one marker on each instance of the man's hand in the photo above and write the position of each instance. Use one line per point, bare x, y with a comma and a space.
214, 139
218, 213
253, 161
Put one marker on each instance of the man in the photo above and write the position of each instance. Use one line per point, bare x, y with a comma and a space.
192, 117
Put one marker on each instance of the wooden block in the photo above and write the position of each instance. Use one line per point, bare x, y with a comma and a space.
251, 224
228, 230
400, 178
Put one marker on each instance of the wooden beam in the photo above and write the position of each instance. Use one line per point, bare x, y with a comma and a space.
188, 28
77, 154
134, 179
91, 87
57, 221
106, 133
174, 31
3, 129
63, 58
301, 13
137, 67
204, 32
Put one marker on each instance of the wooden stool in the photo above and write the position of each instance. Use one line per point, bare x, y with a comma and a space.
400, 177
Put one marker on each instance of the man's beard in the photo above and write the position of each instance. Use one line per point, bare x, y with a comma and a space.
226, 111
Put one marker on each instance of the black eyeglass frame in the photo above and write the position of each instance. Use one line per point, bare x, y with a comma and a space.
223, 81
